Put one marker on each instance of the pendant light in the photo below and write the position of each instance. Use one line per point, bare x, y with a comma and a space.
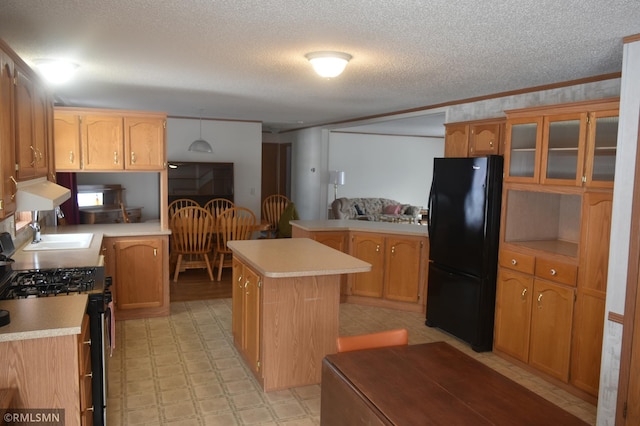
200, 145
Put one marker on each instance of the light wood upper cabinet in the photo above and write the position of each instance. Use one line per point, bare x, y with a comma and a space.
474, 138
109, 140
7, 142
456, 140
30, 114
144, 143
67, 141
485, 139
102, 142
572, 144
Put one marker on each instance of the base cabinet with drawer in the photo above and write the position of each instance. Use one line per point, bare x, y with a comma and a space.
534, 314
140, 270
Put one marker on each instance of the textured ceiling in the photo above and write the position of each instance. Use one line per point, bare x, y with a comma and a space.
243, 59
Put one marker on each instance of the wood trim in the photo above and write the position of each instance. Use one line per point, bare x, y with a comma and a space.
631, 38
533, 89
615, 317
387, 134
567, 108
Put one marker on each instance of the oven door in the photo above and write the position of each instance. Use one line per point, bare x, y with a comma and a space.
99, 317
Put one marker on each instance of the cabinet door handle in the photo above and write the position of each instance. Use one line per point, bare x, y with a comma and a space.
393, 249
491, 143
553, 272
89, 375
34, 156
377, 248
524, 292
539, 300
71, 157
13, 195
115, 157
514, 262
155, 252
87, 342
133, 157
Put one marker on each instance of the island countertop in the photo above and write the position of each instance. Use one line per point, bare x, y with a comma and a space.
361, 225
43, 317
295, 257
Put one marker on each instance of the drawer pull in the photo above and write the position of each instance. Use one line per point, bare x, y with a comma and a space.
524, 292
87, 342
540, 301
553, 272
89, 375
377, 248
514, 262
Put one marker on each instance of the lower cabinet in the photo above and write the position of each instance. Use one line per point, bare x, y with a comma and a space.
535, 298
398, 268
245, 322
140, 270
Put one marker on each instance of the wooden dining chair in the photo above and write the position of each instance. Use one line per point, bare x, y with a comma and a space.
125, 215
397, 337
218, 205
180, 203
237, 223
191, 229
272, 208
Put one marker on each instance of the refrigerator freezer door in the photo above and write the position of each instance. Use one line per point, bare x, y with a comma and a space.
457, 210
455, 305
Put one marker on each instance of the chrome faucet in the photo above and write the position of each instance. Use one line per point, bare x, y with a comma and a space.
59, 214
35, 225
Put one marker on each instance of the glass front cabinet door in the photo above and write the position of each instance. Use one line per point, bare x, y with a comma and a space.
601, 149
523, 143
563, 147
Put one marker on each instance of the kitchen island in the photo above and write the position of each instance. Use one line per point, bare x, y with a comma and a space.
286, 297
398, 253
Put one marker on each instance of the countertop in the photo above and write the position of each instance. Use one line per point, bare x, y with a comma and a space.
77, 258
43, 317
361, 225
295, 257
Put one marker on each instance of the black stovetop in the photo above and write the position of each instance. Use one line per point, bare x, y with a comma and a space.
52, 282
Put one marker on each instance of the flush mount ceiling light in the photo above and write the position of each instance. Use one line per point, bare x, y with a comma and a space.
200, 145
56, 71
328, 64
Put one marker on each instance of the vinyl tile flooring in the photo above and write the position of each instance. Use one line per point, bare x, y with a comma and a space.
183, 370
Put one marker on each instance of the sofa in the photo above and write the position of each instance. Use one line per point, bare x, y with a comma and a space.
374, 209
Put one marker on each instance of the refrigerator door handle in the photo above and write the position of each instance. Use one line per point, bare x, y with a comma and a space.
430, 204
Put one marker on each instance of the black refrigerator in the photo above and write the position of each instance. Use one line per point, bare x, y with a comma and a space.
464, 229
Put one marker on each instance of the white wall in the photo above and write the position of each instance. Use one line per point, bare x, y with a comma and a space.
620, 228
237, 142
395, 167
308, 172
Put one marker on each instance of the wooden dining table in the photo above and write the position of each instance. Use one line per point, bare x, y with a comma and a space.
427, 384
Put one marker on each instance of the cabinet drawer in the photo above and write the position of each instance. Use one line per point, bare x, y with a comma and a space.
517, 261
553, 270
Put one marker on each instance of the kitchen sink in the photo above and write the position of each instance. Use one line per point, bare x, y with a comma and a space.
61, 242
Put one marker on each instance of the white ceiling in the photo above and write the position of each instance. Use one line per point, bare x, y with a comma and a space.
244, 59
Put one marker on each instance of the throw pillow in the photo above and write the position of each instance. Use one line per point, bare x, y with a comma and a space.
284, 227
392, 209
358, 210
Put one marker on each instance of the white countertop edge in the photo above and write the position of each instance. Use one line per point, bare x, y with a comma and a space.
37, 334
362, 226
